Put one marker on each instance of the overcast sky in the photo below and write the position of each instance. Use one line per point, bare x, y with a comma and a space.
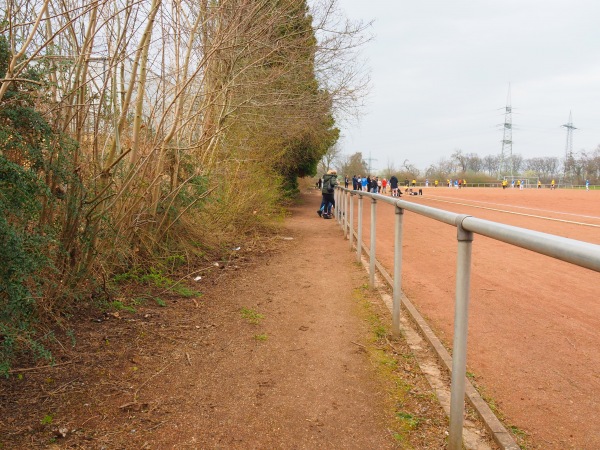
440, 73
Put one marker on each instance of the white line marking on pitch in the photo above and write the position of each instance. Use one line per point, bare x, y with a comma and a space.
518, 213
531, 209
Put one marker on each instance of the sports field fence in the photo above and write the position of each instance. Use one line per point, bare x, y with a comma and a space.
580, 253
530, 184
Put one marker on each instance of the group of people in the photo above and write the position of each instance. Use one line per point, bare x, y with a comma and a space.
369, 184
376, 185
359, 183
520, 184
458, 183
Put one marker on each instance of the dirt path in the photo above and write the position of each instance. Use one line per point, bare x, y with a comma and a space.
306, 384
275, 354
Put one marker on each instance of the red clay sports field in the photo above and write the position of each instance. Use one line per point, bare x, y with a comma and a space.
534, 322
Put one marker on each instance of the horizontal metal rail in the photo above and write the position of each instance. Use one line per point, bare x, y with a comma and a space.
583, 254
498, 184
580, 253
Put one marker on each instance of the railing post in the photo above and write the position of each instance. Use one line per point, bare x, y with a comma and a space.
359, 229
341, 210
346, 208
351, 222
340, 207
337, 205
459, 348
397, 277
344, 213
373, 244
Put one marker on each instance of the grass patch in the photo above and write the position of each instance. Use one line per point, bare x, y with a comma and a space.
408, 420
184, 291
408, 394
156, 279
160, 302
521, 436
251, 316
517, 431
47, 419
261, 337
118, 305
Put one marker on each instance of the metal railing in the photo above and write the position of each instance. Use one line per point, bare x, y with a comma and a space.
576, 252
497, 184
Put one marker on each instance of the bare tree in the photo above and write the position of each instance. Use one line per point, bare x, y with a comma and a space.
331, 158
491, 164
409, 169
461, 159
354, 165
474, 162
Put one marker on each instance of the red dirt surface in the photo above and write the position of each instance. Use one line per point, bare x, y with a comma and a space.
534, 322
283, 349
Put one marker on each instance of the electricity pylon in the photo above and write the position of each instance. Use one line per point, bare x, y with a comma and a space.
568, 165
370, 162
507, 139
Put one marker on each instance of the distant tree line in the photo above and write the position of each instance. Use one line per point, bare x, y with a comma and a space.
575, 169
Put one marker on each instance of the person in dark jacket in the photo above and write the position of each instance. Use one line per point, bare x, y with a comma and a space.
394, 185
374, 185
327, 199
